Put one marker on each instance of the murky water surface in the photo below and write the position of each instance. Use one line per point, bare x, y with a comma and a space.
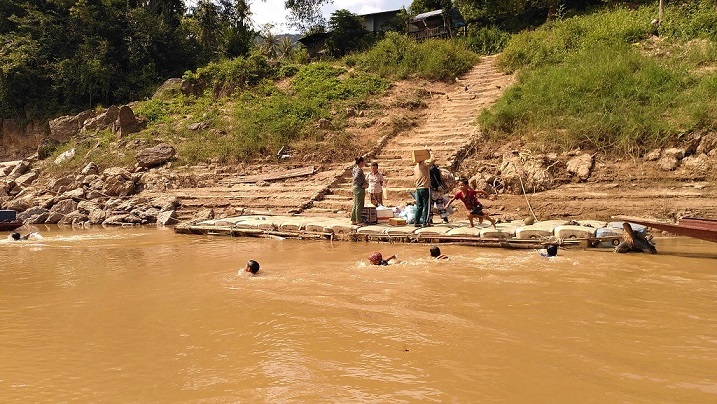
137, 315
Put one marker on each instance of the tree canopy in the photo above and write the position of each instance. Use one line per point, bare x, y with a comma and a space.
63, 56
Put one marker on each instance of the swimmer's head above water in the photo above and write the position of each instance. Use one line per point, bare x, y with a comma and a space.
252, 266
15, 236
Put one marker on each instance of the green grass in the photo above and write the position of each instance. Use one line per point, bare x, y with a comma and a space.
399, 57
259, 121
602, 82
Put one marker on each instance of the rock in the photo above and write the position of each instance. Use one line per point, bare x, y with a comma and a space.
581, 166
675, 152
167, 218
38, 219
62, 184
101, 121
64, 206
534, 173
89, 169
262, 183
708, 144
74, 217
54, 217
26, 179
654, 155
157, 155
699, 164
668, 163
118, 182
126, 122
64, 127
324, 124
33, 211
97, 216
65, 156
89, 179
20, 169
197, 126
204, 214
115, 220
148, 215
87, 207
165, 203
76, 194
20, 204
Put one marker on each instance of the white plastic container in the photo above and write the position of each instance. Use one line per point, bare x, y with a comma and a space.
571, 231
533, 232
497, 233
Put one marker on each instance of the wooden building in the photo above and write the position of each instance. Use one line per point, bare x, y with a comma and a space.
437, 24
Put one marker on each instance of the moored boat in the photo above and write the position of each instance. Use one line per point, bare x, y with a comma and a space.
9, 220
703, 229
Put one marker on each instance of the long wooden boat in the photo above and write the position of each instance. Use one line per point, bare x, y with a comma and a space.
9, 221
703, 229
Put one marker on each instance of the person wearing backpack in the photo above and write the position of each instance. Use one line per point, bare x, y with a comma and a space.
438, 190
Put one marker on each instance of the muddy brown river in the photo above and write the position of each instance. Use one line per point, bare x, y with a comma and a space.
144, 315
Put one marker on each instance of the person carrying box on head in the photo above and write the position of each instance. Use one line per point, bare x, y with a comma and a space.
423, 160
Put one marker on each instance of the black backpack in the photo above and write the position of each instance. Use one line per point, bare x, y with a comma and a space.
436, 180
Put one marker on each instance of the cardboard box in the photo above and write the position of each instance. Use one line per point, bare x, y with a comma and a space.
397, 221
384, 214
420, 155
369, 215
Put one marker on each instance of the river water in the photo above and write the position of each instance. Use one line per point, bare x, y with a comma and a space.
144, 315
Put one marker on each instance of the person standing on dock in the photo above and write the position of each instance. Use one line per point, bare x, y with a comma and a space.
359, 189
423, 190
375, 185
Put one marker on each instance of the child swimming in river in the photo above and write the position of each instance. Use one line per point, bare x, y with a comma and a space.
377, 259
436, 253
251, 267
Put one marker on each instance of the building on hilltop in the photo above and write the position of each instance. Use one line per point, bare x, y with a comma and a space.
437, 24
378, 22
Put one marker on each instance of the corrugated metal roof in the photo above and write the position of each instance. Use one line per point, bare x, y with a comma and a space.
429, 14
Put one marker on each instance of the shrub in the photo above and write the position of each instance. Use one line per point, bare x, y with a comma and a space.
229, 75
400, 57
554, 41
608, 97
486, 40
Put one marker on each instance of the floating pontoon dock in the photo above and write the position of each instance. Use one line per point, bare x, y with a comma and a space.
507, 235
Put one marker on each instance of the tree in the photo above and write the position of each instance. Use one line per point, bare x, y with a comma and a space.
305, 15
424, 6
347, 33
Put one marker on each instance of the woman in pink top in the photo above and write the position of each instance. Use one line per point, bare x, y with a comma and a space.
375, 185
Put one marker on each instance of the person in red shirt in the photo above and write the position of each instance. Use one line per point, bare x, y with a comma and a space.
468, 196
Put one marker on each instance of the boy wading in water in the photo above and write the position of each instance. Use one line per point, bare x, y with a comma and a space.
468, 196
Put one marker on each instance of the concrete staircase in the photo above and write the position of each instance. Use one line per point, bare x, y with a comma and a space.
448, 130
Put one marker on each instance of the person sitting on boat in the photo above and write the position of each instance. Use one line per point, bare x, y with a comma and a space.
551, 250
436, 253
634, 241
252, 267
377, 259
468, 196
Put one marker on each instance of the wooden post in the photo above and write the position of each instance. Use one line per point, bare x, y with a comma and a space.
659, 17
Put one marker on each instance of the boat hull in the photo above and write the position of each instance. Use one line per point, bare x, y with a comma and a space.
10, 226
703, 229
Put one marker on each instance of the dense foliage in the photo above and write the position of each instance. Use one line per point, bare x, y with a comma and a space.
398, 56
606, 81
62, 56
